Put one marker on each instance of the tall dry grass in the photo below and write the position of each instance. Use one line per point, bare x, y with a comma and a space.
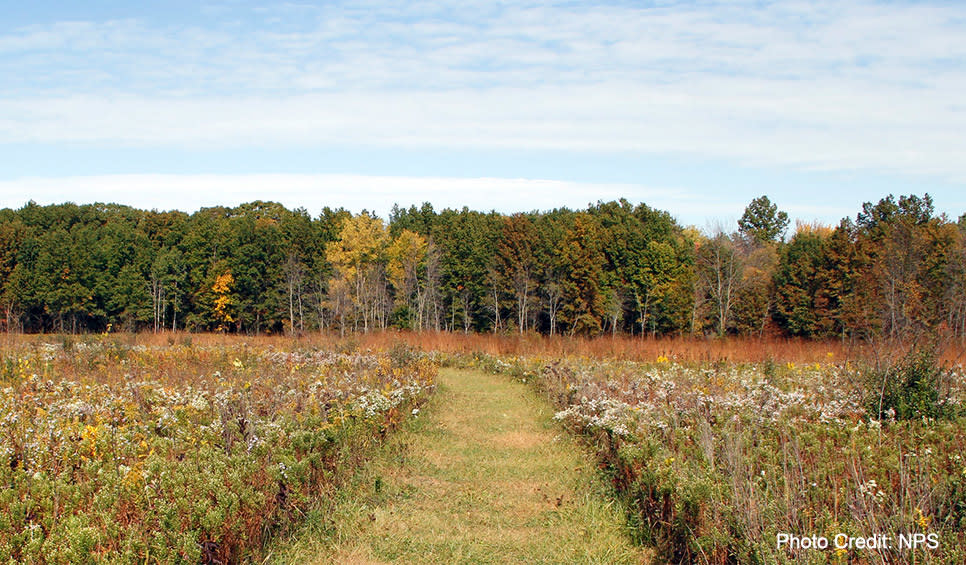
625, 348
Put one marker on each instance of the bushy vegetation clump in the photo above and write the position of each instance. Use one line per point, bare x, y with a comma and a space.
914, 387
112, 452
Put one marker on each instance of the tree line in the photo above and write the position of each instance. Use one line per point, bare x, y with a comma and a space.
615, 267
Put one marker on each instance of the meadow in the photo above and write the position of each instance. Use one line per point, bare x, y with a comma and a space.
197, 450
714, 461
213, 448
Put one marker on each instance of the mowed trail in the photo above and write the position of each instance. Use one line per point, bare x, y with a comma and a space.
483, 475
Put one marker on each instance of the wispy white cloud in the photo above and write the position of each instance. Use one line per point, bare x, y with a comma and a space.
811, 85
758, 123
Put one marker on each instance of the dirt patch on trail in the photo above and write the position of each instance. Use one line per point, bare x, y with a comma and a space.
355, 558
519, 439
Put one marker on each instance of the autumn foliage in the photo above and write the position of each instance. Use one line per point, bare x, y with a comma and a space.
896, 271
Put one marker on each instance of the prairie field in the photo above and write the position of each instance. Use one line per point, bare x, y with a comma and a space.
715, 460
210, 448
120, 451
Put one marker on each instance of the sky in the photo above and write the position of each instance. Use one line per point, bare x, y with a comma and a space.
691, 107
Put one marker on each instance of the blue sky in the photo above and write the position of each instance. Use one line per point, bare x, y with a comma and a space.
692, 107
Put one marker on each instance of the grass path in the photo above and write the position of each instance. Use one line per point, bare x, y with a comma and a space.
483, 475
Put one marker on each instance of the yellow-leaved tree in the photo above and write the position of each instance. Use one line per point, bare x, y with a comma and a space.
357, 290
223, 300
405, 255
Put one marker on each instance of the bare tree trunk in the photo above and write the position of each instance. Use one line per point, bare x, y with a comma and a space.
553, 305
467, 318
174, 308
291, 307
301, 313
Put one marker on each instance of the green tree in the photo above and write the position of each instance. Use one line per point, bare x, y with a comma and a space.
551, 228
797, 282
515, 265
668, 278
582, 262
466, 240
623, 242
762, 221
664, 290
12, 235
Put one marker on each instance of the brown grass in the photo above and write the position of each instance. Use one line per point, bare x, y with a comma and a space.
682, 349
685, 349
519, 439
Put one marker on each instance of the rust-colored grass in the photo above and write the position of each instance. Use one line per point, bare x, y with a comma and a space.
681, 349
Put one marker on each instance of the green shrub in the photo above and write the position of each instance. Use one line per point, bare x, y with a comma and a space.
909, 389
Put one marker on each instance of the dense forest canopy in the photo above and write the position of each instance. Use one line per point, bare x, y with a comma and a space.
896, 269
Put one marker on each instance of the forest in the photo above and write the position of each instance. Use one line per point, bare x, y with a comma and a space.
896, 269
